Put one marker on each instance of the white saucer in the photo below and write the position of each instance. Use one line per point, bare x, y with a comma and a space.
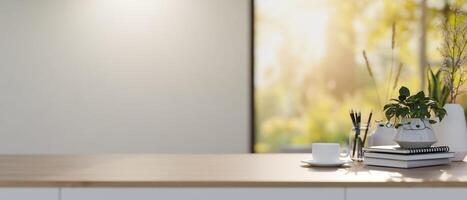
336, 163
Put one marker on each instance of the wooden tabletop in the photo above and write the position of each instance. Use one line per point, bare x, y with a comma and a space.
248, 170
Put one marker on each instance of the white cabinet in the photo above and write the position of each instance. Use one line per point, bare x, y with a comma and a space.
406, 193
233, 193
29, 193
202, 193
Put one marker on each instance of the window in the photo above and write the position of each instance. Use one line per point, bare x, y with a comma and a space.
309, 69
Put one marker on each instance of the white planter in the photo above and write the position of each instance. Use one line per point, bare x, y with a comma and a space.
383, 135
415, 133
452, 131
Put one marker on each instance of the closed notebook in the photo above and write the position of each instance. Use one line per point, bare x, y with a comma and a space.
410, 156
398, 150
405, 164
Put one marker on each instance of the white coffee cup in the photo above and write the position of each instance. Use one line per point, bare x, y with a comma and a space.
325, 152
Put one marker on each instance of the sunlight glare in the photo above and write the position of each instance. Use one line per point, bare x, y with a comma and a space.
300, 26
310, 31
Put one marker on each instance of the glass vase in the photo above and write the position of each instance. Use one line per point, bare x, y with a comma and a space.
357, 139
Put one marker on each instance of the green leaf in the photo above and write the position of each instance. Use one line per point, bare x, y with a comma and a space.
402, 98
443, 98
404, 91
436, 87
415, 106
390, 113
387, 106
404, 112
433, 83
440, 113
420, 95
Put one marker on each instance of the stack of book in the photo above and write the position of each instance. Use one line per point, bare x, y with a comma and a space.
394, 156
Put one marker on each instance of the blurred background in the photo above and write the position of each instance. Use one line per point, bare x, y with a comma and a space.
309, 70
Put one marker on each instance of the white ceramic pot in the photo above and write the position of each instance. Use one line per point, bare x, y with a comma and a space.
452, 131
415, 133
383, 135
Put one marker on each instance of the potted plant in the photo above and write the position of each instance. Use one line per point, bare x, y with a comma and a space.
446, 84
412, 116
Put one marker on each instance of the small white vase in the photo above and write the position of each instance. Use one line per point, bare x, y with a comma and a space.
452, 131
383, 135
415, 133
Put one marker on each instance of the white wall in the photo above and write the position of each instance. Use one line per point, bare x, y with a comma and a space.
124, 76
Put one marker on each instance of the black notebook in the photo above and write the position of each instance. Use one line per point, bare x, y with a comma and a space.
398, 150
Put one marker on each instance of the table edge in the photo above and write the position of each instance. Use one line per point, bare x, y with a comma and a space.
220, 184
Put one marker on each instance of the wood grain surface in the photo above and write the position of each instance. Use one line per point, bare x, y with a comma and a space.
247, 170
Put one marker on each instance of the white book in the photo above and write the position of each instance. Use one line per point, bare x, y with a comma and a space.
399, 150
409, 157
405, 164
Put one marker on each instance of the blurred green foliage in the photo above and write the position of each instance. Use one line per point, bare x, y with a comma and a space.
302, 96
